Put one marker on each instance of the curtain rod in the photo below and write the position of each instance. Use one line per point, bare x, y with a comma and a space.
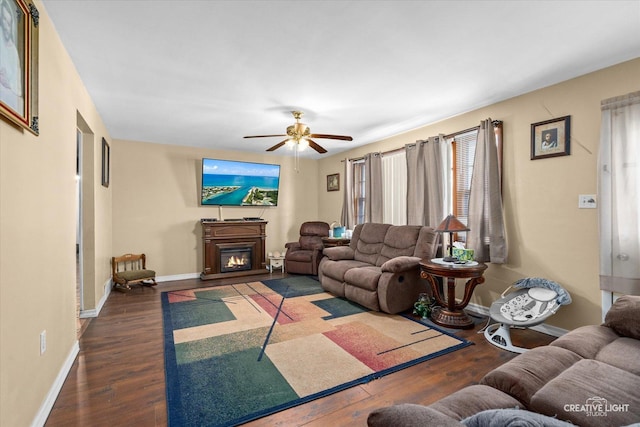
451, 135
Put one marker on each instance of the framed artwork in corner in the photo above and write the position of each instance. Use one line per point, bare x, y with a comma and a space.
19, 63
333, 182
106, 155
551, 138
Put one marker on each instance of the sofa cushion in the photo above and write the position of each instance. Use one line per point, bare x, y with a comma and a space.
586, 341
527, 373
400, 240
409, 415
300, 256
624, 316
364, 297
622, 353
370, 242
337, 269
591, 393
363, 277
512, 418
473, 399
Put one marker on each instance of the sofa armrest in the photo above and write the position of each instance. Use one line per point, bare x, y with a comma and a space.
400, 264
338, 253
409, 415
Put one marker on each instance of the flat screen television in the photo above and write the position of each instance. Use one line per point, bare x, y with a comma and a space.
234, 183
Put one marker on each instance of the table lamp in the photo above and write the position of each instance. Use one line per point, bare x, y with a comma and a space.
450, 225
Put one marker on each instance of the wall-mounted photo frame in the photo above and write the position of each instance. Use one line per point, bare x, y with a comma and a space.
19, 63
333, 182
551, 138
106, 157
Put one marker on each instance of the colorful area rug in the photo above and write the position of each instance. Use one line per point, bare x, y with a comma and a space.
239, 352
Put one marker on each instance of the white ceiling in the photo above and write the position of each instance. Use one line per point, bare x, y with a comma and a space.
206, 73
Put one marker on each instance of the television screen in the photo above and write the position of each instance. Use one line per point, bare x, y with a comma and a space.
233, 183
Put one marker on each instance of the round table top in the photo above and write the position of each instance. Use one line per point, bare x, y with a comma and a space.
438, 267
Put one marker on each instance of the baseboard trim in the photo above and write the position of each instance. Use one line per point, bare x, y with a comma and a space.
185, 276
54, 391
551, 330
94, 312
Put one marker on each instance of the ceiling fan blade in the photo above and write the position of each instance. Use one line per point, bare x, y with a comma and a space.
340, 137
316, 147
262, 136
278, 145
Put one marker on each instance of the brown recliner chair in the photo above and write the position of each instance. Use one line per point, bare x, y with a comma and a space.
303, 256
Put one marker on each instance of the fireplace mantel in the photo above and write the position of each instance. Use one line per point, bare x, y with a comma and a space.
225, 234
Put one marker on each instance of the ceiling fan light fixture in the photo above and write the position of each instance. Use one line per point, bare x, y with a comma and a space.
303, 144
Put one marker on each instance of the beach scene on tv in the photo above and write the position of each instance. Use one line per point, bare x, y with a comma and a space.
231, 183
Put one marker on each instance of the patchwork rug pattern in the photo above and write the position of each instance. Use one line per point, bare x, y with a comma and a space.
239, 352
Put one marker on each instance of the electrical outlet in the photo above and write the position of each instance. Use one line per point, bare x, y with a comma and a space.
43, 342
587, 201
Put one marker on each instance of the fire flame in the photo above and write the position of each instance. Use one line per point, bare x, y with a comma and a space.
235, 261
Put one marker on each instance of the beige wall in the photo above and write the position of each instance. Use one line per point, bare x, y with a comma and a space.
548, 235
157, 209
37, 235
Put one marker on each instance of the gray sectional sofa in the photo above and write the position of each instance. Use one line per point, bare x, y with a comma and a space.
380, 268
588, 377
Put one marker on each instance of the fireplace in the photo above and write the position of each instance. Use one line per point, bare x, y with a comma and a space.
233, 248
235, 259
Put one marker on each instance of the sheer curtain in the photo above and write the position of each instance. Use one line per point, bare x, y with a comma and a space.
347, 217
486, 216
394, 183
619, 194
426, 181
373, 188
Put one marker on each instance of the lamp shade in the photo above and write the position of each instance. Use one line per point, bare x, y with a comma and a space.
451, 224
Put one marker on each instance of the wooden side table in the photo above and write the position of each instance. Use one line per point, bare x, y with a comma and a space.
330, 242
276, 262
451, 313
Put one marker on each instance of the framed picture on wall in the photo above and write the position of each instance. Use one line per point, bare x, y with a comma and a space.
106, 154
19, 63
551, 138
333, 182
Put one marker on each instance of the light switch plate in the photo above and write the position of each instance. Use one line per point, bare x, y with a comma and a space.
587, 201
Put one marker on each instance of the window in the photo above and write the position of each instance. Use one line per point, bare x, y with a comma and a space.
359, 190
394, 181
462, 153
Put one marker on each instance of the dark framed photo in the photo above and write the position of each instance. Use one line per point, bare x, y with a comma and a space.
551, 138
333, 182
106, 154
19, 63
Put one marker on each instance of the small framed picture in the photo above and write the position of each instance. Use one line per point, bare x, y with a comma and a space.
333, 182
106, 154
551, 138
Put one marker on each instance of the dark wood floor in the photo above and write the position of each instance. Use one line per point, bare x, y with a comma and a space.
118, 377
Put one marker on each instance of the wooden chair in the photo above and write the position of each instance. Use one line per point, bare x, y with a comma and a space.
130, 269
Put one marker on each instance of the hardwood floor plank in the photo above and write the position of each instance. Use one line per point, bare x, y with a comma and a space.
118, 377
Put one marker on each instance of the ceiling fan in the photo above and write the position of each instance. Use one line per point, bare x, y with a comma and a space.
300, 135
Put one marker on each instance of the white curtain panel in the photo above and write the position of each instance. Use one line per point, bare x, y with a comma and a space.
619, 194
486, 216
394, 183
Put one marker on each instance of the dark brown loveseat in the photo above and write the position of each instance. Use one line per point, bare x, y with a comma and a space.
588, 377
380, 268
